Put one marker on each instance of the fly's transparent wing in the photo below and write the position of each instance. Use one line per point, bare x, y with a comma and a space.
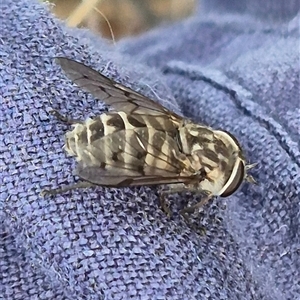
120, 97
116, 178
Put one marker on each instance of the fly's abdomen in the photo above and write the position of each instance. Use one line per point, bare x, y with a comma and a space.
80, 140
86, 134
125, 142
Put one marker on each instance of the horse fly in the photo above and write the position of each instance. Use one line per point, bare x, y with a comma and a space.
141, 142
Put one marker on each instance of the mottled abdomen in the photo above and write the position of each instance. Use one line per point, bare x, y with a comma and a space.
127, 145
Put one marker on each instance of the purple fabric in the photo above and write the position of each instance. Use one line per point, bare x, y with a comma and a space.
231, 66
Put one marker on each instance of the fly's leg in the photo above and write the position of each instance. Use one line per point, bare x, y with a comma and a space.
191, 209
60, 190
63, 118
164, 204
179, 189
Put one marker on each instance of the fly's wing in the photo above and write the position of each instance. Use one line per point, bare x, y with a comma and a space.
140, 156
120, 97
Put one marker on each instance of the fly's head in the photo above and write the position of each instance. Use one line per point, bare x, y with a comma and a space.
232, 168
221, 156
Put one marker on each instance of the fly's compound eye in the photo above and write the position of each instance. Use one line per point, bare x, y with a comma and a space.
235, 180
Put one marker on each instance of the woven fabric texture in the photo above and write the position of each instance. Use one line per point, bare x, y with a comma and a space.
230, 66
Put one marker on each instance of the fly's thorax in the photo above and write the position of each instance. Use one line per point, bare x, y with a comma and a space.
219, 154
192, 135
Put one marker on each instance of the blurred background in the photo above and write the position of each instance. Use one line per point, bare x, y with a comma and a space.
114, 19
